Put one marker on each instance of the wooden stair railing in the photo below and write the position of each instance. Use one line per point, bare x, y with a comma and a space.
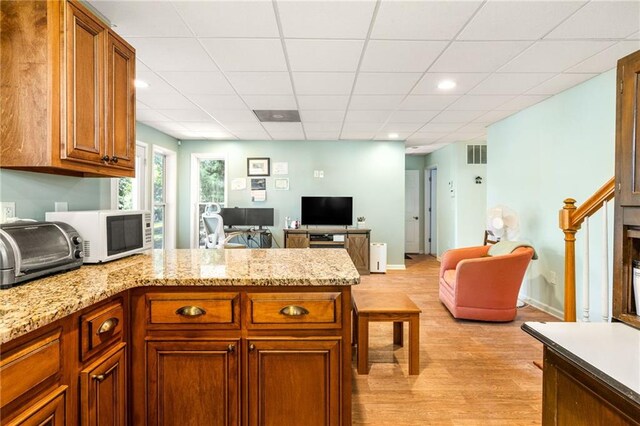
571, 218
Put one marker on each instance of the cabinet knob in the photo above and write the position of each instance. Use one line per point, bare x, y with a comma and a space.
98, 377
231, 347
114, 159
293, 311
252, 347
191, 311
105, 158
107, 326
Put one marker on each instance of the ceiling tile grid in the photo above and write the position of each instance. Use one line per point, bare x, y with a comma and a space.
366, 69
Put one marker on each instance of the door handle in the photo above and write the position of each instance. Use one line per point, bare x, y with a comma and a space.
415, 217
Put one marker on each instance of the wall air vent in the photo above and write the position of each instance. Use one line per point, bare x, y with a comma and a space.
476, 154
277, 115
86, 247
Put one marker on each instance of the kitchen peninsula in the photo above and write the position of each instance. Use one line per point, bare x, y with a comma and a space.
210, 336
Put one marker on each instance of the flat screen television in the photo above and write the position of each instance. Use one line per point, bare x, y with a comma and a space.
327, 211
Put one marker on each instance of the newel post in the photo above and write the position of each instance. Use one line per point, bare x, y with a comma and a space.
569, 230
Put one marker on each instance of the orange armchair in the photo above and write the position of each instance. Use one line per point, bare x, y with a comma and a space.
476, 286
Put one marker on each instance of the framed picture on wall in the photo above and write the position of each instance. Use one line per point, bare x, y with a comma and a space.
258, 166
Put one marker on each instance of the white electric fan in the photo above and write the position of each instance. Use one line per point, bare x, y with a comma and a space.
503, 223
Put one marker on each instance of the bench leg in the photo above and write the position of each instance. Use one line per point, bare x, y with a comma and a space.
354, 328
363, 344
414, 344
397, 333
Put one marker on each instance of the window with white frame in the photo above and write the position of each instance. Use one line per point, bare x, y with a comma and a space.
130, 193
208, 183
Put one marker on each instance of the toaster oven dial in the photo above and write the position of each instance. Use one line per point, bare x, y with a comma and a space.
76, 240
78, 254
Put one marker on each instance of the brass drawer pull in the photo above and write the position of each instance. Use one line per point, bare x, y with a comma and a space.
294, 311
252, 347
98, 377
108, 325
191, 311
231, 347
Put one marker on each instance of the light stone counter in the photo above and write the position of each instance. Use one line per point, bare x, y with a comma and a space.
37, 303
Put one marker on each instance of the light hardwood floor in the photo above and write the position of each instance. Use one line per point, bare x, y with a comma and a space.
471, 373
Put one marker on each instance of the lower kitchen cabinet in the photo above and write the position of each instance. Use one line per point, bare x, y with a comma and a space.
48, 411
294, 381
193, 382
103, 389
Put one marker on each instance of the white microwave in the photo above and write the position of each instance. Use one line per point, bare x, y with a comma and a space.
109, 234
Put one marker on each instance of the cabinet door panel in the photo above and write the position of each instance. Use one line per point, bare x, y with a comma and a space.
628, 117
48, 411
85, 87
294, 381
103, 390
120, 129
358, 249
297, 241
193, 383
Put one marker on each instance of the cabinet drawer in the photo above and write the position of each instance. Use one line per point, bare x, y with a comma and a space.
191, 309
101, 327
300, 310
29, 365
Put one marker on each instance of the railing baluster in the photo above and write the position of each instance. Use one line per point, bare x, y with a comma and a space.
585, 272
605, 263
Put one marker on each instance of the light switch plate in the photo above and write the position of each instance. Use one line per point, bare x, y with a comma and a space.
7, 211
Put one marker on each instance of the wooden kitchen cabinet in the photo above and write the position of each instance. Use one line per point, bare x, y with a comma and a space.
68, 91
193, 382
294, 381
103, 389
358, 249
296, 240
48, 411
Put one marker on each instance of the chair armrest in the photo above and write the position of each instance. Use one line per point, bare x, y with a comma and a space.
451, 258
230, 236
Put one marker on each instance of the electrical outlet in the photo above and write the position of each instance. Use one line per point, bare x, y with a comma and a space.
316, 173
552, 279
7, 211
321, 173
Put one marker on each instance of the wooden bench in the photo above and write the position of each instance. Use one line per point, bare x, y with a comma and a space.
372, 305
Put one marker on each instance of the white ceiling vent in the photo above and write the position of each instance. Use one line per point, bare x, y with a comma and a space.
277, 115
476, 154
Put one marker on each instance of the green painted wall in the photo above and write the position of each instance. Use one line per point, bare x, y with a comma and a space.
416, 162
152, 136
371, 172
562, 147
461, 203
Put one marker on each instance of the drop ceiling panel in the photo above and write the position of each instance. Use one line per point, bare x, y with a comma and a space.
283, 127
218, 102
401, 127
322, 136
354, 136
456, 116
141, 106
521, 102
198, 83
367, 116
517, 20
427, 137
384, 136
412, 116
264, 83
172, 54
184, 115
155, 82
428, 102
493, 116
385, 83
246, 54
400, 56
253, 136
478, 56
321, 116
510, 83
203, 126
243, 127
237, 116
479, 102
554, 56
322, 19
601, 19
270, 102
333, 126
328, 83
324, 55
229, 18
146, 115
361, 127
422, 20
444, 128
608, 58
428, 85
137, 19
372, 102
321, 102
559, 83
287, 136
173, 100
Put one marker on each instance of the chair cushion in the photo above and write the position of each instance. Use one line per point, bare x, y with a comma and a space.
449, 277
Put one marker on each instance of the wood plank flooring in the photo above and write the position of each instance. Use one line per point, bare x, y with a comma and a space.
471, 373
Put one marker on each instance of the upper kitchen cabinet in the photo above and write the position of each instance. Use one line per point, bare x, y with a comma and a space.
68, 96
627, 131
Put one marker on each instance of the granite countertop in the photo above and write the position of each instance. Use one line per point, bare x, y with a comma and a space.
32, 305
610, 351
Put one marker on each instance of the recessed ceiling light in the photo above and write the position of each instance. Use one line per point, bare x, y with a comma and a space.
393, 135
446, 84
140, 84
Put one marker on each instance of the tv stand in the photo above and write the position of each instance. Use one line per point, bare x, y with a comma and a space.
355, 241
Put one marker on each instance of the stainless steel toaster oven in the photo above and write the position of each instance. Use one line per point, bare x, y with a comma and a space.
33, 249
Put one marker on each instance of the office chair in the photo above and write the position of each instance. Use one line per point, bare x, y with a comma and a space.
216, 237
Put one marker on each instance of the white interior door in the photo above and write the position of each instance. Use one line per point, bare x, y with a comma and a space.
433, 224
412, 211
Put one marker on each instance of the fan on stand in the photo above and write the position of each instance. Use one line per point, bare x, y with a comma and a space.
503, 225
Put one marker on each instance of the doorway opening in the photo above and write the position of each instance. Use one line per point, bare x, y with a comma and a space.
430, 208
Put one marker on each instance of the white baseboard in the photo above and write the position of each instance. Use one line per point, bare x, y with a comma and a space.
396, 267
545, 308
